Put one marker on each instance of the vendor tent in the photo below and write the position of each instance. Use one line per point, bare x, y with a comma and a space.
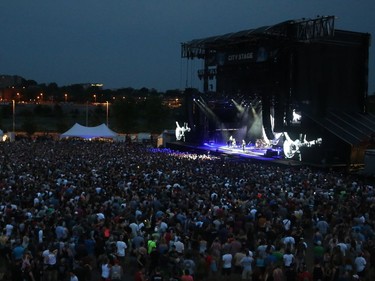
79, 131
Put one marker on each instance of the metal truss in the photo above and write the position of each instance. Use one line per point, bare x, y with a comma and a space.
304, 29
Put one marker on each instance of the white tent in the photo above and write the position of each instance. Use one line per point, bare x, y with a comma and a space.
79, 131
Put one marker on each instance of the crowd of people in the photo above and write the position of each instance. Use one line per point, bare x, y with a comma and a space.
93, 210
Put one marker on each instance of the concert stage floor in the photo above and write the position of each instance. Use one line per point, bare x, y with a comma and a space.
270, 155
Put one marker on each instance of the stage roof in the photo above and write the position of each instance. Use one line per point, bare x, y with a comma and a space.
233, 36
300, 30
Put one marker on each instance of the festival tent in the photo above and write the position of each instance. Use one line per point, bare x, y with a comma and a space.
79, 131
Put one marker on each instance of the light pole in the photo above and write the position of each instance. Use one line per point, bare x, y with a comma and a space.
14, 116
107, 114
94, 98
66, 97
87, 113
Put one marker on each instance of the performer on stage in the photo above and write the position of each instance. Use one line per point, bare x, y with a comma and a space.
230, 141
243, 145
234, 143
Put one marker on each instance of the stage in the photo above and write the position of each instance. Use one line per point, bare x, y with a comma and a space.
249, 152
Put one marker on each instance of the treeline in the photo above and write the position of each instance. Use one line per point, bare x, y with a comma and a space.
30, 90
49, 108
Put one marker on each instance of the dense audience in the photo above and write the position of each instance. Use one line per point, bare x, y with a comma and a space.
81, 210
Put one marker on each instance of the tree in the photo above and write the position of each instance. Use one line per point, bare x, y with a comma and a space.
31, 93
155, 114
43, 111
98, 115
30, 83
61, 127
6, 110
52, 87
77, 93
57, 111
125, 115
29, 127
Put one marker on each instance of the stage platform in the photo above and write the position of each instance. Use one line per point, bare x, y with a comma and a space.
269, 155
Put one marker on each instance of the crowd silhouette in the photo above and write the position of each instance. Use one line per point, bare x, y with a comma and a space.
94, 210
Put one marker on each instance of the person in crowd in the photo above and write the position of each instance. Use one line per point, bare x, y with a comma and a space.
73, 276
247, 266
360, 265
237, 257
121, 247
318, 271
186, 276
117, 272
304, 274
156, 275
140, 274
50, 263
288, 259
105, 270
226, 260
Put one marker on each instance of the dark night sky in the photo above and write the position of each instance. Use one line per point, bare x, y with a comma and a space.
137, 44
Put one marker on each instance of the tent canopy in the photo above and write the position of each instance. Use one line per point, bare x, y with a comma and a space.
79, 131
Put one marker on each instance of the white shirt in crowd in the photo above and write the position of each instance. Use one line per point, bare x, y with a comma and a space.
343, 248
49, 257
180, 247
289, 240
36, 201
163, 227
9, 229
135, 229
106, 270
40, 236
100, 216
360, 264
288, 259
52, 258
121, 247
287, 223
227, 260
